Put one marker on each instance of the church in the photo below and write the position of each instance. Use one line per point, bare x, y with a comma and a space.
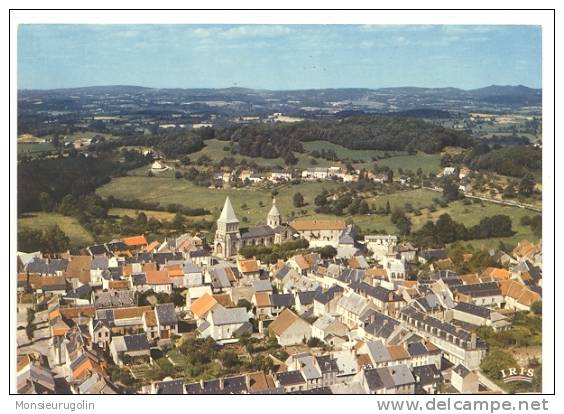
228, 238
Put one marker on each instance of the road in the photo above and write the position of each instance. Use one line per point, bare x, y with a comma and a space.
489, 383
493, 200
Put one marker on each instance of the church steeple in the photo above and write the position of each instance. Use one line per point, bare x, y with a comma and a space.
273, 217
227, 238
227, 214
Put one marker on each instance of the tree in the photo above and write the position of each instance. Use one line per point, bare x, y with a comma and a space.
450, 190
527, 186
244, 303
536, 307
404, 226
495, 361
327, 252
55, 240
298, 200
229, 359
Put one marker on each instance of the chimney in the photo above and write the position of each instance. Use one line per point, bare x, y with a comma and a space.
221, 384
473, 339
202, 384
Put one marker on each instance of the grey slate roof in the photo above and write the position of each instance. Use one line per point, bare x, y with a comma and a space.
472, 309
290, 378
258, 231
136, 342
325, 297
227, 316
227, 213
47, 266
262, 285
171, 387
114, 299
282, 299
166, 314
480, 289
426, 374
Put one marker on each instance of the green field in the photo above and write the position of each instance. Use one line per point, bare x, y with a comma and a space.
429, 163
130, 212
169, 190
347, 154
26, 148
78, 235
166, 190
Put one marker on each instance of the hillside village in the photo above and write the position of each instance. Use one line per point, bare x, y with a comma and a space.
342, 314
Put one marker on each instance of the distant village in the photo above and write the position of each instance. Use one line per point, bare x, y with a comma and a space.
360, 320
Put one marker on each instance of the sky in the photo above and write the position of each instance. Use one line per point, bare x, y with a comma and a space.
278, 57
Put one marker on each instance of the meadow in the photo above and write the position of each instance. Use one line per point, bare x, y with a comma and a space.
78, 235
252, 204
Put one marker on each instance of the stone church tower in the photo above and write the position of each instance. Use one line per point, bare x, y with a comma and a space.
273, 217
227, 237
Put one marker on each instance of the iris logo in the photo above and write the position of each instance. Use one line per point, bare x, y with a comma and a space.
517, 374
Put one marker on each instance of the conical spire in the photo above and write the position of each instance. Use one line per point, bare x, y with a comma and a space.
274, 210
228, 214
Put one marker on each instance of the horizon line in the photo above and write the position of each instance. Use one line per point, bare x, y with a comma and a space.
273, 90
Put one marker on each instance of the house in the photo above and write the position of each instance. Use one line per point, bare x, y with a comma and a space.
168, 387
290, 329
518, 296
249, 269
326, 302
32, 377
223, 324
307, 365
460, 346
221, 278
380, 244
481, 294
430, 255
78, 270
350, 307
203, 305
52, 285
94, 383
98, 267
193, 275
299, 264
464, 380
388, 380
167, 323
135, 242
526, 250
304, 300
263, 306
130, 349
395, 266
330, 330
113, 299
480, 316
262, 285
224, 385
159, 281
259, 382
385, 300
427, 378
320, 233
291, 381
407, 251
176, 274
280, 301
